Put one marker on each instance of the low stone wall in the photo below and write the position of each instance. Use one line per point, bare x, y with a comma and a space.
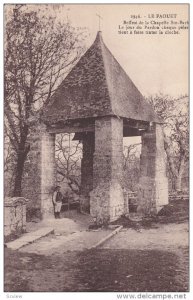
178, 195
131, 199
14, 215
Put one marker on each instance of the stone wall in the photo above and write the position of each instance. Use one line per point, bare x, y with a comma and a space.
87, 171
14, 215
107, 202
48, 173
153, 183
31, 185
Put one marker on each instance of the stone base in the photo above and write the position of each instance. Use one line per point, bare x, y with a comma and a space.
47, 207
152, 194
106, 203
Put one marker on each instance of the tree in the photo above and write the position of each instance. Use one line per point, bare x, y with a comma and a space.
131, 166
174, 113
130, 153
68, 156
39, 51
9, 157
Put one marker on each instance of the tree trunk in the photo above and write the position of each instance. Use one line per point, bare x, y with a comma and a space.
178, 183
19, 173
173, 180
176, 173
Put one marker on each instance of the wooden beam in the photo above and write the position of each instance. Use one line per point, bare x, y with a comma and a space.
135, 124
70, 129
128, 131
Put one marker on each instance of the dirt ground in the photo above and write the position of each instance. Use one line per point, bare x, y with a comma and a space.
141, 259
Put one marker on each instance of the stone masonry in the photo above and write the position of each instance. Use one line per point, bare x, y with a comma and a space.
98, 91
31, 188
14, 215
106, 199
40, 172
153, 183
48, 173
87, 171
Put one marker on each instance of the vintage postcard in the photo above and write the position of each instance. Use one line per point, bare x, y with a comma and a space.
96, 149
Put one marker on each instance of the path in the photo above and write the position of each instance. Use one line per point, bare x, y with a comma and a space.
154, 259
165, 237
69, 235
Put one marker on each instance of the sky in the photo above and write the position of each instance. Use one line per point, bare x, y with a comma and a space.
155, 63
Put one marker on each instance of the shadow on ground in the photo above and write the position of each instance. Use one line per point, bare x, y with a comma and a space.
156, 267
96, 270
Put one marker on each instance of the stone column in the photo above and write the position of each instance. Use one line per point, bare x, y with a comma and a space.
48, 173
153, 183
87, 171
106, 199
31, 186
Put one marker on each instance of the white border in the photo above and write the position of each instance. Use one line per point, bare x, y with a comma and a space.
83, 295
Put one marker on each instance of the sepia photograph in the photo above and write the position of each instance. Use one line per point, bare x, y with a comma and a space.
96, 148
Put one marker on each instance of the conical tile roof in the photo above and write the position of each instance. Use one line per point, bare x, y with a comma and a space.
97, 86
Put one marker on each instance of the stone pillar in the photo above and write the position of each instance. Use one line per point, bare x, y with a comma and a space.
106, 199
31, 186
153, 183
87, 171
48, 173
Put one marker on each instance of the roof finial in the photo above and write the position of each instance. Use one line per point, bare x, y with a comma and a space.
100, 18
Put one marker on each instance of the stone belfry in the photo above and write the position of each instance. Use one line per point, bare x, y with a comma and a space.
99, 102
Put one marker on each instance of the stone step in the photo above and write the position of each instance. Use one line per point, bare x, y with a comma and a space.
28, 238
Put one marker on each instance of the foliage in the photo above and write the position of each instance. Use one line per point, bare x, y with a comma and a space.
131, 166
174, 113
39, 51
68, 154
